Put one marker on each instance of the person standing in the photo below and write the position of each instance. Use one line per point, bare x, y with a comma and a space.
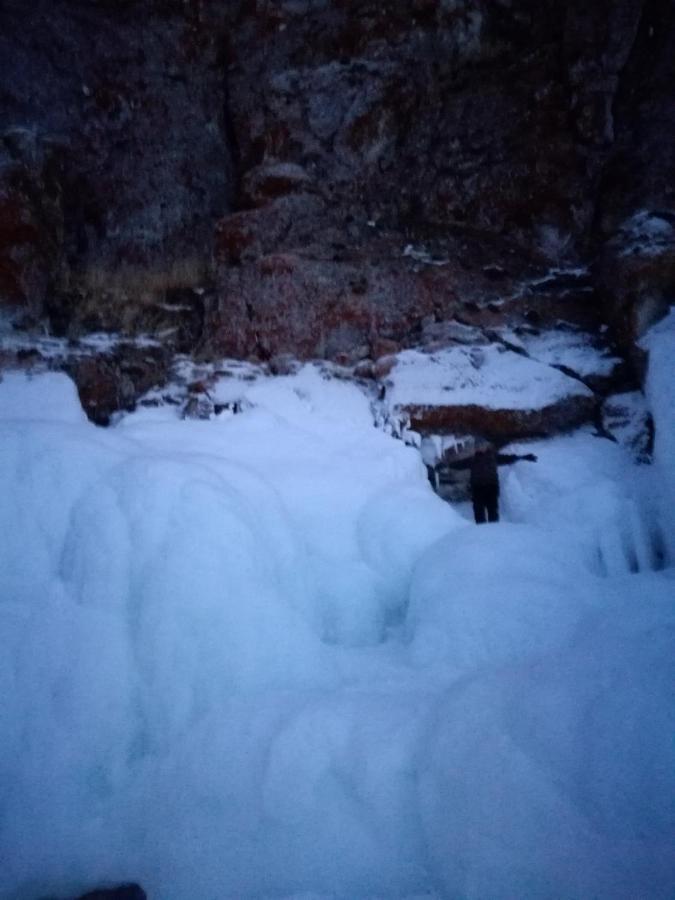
484, 484
484, 478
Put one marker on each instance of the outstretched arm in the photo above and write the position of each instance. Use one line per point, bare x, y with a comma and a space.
507, 459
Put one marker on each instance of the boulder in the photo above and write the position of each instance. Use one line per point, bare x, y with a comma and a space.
501, 425
113, 381
485, 390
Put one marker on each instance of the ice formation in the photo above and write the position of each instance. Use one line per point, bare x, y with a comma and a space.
257, 657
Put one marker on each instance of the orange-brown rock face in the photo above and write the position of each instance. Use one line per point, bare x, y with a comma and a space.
502, 425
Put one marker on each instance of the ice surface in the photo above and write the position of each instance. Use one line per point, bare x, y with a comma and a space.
257, 657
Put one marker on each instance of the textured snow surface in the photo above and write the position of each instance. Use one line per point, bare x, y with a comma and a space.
257, 657
573, 349
490, 376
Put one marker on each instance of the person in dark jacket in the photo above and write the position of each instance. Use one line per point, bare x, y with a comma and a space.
485, 479
485, 484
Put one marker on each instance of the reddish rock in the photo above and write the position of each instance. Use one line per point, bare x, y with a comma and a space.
101, 389
113, 382
383, 347
502, 424
292, 303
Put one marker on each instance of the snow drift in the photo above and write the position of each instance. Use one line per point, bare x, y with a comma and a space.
258, 657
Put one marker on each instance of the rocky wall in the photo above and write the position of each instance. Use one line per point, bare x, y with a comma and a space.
314, 176
116, 113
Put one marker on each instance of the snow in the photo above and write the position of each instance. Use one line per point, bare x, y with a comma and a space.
55, 349
576, 350
258, 657
581, 494
46, 397
490, 376
422, 255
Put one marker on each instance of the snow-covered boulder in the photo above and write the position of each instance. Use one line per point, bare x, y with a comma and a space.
487, 390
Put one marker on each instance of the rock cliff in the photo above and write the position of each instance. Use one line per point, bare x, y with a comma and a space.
333, 178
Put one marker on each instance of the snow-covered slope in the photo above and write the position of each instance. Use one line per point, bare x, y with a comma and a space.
257, 656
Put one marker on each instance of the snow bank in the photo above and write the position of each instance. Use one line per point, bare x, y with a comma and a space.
493, 595
50, 396
586, 495
554, 777
257, 657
